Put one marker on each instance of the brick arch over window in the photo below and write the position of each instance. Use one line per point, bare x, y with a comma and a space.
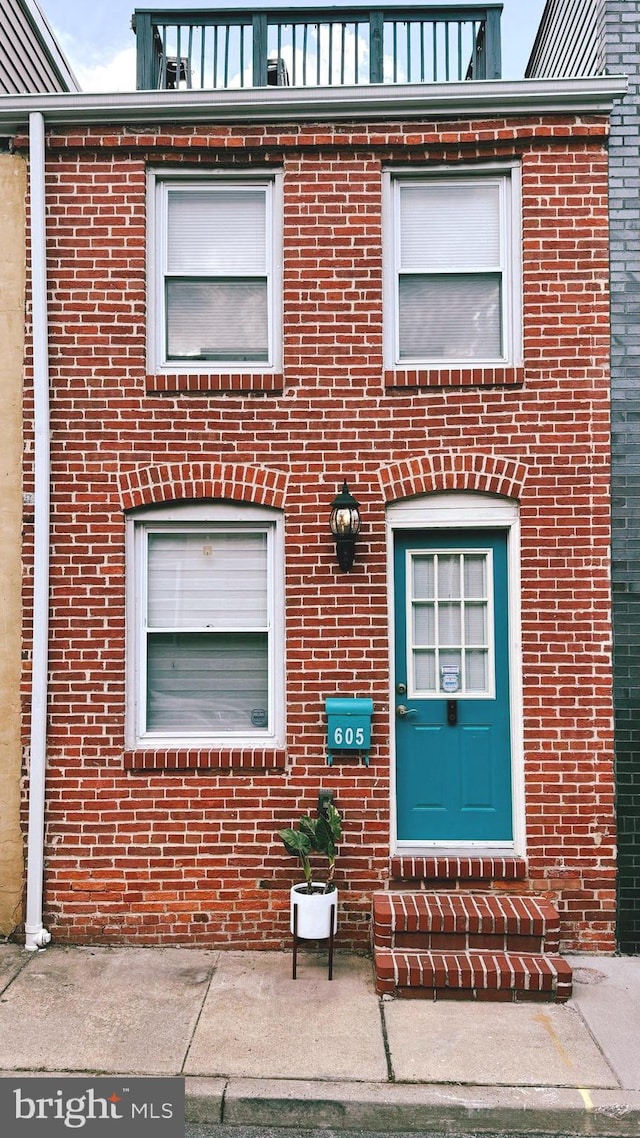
184, 481
427, 474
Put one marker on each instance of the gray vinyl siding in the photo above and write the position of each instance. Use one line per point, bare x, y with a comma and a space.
567, 43
30, 60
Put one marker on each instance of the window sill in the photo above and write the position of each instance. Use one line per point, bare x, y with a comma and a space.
218, 758
214, 382
483, 376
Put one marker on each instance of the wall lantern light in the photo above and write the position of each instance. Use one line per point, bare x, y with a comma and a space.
345, 526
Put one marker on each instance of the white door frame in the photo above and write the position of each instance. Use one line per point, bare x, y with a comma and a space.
466, 511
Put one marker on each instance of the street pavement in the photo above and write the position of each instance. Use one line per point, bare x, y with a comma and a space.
258, 1048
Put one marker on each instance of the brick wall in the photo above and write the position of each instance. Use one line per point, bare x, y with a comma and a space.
190, 853
620, 32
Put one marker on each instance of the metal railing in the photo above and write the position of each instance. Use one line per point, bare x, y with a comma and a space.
316, 47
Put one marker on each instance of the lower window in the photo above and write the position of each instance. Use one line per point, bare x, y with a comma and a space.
206, 618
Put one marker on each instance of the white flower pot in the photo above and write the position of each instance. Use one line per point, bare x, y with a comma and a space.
314, 911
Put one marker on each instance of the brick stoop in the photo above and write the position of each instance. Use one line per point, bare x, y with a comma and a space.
456, 870
468, 946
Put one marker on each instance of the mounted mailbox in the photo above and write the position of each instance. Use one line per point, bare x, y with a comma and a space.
349, 726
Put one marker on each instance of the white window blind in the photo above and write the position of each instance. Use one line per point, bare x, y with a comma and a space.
450, 317
207, 580
217, 320
449, 228
207, 631
217, 232
217, 273
450, 266
213, 683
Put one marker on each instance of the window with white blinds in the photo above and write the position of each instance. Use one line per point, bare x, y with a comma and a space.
454, 270
216, 258
206, 647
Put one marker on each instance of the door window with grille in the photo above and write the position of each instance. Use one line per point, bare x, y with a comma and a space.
450, 623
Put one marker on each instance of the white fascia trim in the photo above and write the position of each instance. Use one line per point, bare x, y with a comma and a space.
273, 104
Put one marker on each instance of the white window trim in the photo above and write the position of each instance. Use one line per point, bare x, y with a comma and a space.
248, 517
466, 511
158, 180
509, 177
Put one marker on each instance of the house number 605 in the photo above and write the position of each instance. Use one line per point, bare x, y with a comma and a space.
346, 737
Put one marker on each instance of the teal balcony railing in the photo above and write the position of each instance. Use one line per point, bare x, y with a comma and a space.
208, 49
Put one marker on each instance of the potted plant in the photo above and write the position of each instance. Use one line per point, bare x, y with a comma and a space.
312, 901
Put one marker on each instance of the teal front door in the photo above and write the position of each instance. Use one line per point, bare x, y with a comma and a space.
453, 734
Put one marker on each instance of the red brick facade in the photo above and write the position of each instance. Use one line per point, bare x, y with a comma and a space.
179, 847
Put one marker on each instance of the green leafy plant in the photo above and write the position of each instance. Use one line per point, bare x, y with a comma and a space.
319, 835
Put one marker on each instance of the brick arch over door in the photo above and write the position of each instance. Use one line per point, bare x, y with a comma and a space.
185, 481
428, 474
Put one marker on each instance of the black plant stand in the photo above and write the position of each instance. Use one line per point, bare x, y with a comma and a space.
296, 939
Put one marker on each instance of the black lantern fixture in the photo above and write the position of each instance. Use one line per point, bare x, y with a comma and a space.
345, 526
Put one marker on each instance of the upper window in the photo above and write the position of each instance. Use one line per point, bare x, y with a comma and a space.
215, 274
453, 270
206, 621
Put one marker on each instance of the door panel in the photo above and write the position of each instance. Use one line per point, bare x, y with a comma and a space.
453, 750
477, 791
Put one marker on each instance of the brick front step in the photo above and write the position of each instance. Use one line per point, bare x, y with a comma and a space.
500, 976
464, 921
459, 945
439, 868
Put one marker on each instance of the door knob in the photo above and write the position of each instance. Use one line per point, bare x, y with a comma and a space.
402, 711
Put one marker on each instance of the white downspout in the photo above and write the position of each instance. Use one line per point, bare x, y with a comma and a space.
36, 934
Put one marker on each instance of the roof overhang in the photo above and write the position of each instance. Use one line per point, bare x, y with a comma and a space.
325, 104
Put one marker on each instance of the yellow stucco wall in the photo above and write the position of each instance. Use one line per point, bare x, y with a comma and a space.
12, 284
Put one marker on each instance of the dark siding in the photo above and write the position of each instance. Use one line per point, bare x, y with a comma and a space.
621, 41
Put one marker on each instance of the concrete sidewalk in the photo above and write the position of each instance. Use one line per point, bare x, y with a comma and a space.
258, 1048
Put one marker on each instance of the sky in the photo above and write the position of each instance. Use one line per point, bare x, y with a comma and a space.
96, 35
